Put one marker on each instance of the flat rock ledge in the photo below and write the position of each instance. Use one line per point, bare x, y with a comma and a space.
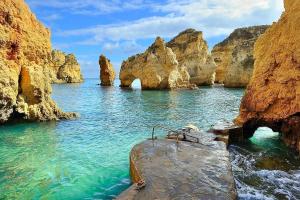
181, 170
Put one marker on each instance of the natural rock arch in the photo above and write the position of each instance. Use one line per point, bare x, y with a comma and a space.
157, 68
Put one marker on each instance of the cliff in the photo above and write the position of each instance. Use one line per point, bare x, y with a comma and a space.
107, 73
157, 68
192, 53
64, 68
24, 58
273, 96
234, 56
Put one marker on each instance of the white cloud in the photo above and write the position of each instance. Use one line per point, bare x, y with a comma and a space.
213, 17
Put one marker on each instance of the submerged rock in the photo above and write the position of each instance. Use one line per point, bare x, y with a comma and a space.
272, 98
157, 68
184, 170
64, 68
192, 53
25, 51
234, 56
107, 72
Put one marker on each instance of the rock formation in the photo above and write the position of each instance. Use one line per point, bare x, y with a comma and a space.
192, 53
184, 62
64, 68
272, 98
24, 57
107, 73
234, 56
157, 68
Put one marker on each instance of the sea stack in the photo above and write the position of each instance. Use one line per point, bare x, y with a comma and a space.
184, 62
234, 56
107, 73
157, 68
25, 52
193, 54
272, 98
64, 68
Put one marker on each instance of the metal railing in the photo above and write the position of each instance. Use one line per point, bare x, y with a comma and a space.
182, 132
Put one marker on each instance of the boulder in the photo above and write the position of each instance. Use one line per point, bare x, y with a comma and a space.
234, 56
107, 72
272, 98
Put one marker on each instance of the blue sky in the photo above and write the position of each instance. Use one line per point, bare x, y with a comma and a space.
120, 28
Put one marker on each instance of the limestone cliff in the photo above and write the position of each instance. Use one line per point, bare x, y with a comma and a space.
234, 56
107, 72
24, 57
64, 68
192, 53
157, 68
273, 96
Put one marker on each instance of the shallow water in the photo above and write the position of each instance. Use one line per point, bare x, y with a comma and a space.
87, 158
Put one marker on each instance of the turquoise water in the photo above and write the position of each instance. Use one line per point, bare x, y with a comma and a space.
87, 158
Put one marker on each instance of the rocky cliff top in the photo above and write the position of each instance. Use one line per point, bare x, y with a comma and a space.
246, 33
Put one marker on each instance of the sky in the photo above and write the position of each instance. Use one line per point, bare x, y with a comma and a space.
119, 29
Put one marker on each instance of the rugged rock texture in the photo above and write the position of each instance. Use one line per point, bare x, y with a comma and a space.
64, 68
24, 58
273, 96
157, 68
234, 56
107, 72
192, 53
184, 62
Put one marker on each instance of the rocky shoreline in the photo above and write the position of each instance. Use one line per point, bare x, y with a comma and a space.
191, 166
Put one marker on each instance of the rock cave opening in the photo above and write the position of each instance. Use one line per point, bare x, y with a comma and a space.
136, 84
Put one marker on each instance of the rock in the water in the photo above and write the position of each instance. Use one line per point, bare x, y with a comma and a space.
157, 68
273, 96
107, 72
64, 68
25, 51
234, 56
192, 53
183, 170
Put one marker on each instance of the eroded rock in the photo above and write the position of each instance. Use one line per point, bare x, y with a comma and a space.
64, 68
192, 53
107, 72
184, 62
157, 68
273, 96
234, 56
25, 50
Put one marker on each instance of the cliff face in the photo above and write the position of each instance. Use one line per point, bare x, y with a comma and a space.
64, 68
24, 56
234, 56
184, 62
107, 73
192, 53
273, 96
157, 68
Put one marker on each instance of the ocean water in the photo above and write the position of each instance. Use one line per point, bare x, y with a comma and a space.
87, 158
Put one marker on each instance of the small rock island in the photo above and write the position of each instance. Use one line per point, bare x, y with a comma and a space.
184, 62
